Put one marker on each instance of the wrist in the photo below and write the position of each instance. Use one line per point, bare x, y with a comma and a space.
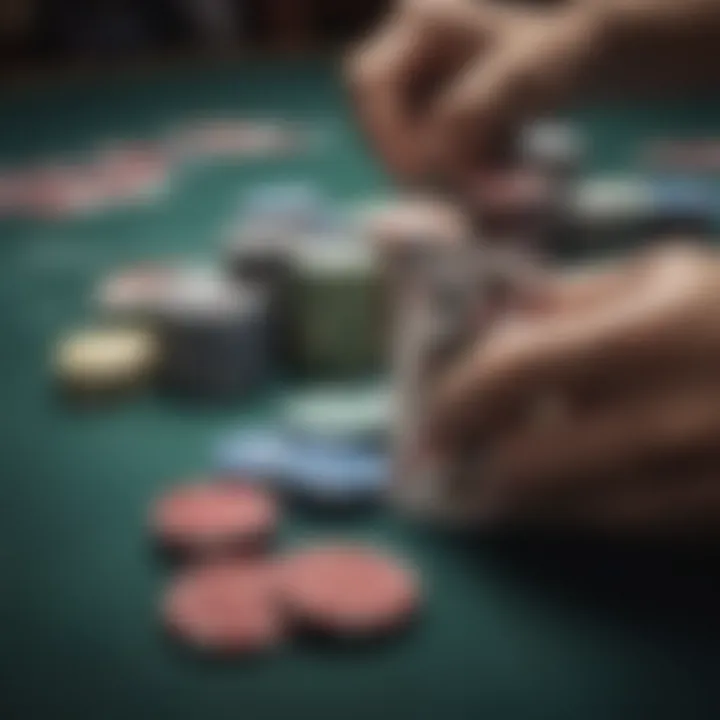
605, 19
593, 26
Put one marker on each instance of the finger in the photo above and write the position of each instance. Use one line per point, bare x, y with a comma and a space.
548, 462
378, 73
687, 502
422, 43
472, 118
656, 320
486, 104
540, 62
543, 292
583, 288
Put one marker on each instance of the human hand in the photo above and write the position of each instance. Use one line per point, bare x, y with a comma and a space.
444, 83
629, 357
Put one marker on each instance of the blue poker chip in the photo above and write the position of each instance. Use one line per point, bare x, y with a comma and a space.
254, 454
684, 196
335, 472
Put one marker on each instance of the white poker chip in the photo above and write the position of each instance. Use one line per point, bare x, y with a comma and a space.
334, 411
552, 143
161, 292
214, 333
332, 258
611, 200
105, 359
136, 291
205, 293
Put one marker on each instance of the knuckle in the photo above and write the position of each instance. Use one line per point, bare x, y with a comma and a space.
682, 254
683, 272
446, 115
362, 69
521, 84
424, 11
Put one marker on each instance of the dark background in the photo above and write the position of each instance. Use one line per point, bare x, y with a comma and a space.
65, 30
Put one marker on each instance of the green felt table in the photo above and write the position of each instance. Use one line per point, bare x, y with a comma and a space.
515, 626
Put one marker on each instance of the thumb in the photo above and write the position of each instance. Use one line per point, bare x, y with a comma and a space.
476, 113
476, 117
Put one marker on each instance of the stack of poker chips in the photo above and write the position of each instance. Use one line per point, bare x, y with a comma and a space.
336, 437
557, 147
322, 301
335, 305
328, 447
214, 335
551, 155
259, 258
615, 210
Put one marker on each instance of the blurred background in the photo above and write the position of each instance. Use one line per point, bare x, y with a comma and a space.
34, 33
137, 135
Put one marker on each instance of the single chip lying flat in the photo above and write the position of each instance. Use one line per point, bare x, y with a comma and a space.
336, 411
214, 516
227, 608
257, 454
335, 472
137, 291
347, 590
105, 359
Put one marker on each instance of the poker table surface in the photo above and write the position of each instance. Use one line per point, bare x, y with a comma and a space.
515, 625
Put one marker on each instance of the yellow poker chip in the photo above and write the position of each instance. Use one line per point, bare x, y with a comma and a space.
105, 359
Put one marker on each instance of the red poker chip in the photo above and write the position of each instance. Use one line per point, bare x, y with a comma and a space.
347, 590
60, 191
214, 516
13, 192
226, 608
143, 284
128, 171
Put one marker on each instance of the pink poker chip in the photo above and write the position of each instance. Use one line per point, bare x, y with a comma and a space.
201, 518
347, 590
225, 608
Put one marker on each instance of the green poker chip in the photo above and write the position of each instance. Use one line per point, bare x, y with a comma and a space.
336, 308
